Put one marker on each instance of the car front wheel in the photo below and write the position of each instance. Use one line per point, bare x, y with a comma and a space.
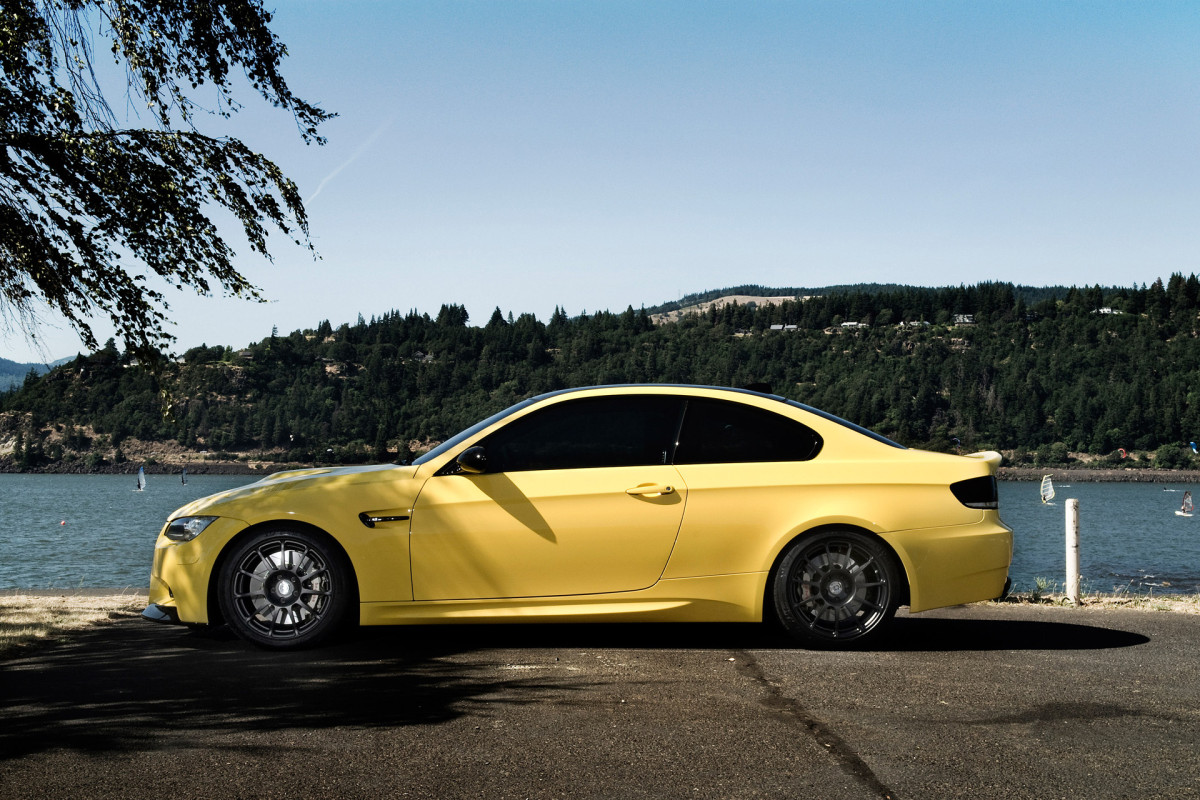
837, 588
285, 589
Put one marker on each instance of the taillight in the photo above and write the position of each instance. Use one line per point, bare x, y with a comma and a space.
977, 492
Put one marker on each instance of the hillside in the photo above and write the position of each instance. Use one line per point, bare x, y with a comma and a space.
1091, 372
754, 292
12, 374
705, 306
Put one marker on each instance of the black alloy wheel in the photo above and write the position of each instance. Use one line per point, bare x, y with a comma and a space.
837, 588
285, 589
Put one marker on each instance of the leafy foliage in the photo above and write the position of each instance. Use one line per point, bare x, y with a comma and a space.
1044, 380
88, 210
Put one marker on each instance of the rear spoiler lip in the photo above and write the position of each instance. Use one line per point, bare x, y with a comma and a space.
991, 457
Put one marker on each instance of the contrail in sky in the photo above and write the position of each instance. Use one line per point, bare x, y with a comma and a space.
362, 148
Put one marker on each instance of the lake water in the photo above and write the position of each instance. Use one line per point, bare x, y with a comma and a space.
89, 531
94, 531
1130, 538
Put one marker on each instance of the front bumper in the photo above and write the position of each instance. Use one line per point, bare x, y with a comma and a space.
179, 579
160, 613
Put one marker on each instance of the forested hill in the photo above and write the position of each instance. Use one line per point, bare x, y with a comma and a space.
1087, 370
1029, 294
13, 374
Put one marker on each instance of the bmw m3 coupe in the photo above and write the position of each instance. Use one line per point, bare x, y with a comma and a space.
609, 503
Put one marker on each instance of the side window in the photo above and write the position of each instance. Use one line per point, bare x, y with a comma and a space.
717, 432
596, 432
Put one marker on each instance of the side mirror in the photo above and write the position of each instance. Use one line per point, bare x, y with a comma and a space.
473, 460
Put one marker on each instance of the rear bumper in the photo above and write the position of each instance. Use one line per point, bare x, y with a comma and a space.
955, 565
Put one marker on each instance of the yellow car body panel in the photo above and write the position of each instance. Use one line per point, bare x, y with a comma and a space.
182, 570
544, 533
684, 542
329, 500
955, 565
723, 598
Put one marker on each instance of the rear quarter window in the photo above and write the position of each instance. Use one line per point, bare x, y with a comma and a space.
719, 432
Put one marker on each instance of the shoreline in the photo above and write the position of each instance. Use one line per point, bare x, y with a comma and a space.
131, 468
1067, 473
1033, 596
1100, 474
82, 591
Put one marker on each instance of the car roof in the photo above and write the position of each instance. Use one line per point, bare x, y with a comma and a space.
664, 386
730, 390
645, 388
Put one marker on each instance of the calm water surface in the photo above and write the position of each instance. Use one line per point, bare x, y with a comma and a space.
94, 531
89, 531
1130, 538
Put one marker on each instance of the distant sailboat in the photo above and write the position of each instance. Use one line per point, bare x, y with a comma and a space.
141, 479
1185, 510
1047, 490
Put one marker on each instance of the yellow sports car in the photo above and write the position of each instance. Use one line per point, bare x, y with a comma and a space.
646, 502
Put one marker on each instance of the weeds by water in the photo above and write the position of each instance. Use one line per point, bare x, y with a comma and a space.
1049, 592
26, 619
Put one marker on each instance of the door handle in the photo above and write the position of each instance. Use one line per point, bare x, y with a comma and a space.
650, 490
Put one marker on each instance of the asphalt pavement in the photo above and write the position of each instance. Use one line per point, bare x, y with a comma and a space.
986, 701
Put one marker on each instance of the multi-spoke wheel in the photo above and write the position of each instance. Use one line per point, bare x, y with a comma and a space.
838, 588
284, 589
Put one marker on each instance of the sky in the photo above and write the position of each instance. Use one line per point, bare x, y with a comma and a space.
600, 154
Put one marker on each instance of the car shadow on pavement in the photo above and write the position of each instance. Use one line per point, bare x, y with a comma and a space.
938, 634
132, 686
908, 634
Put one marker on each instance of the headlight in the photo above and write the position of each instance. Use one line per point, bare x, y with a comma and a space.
185, 529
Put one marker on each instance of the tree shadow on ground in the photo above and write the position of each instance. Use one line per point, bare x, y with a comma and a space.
133, 686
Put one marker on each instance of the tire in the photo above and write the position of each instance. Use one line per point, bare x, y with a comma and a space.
285, 589
836, 589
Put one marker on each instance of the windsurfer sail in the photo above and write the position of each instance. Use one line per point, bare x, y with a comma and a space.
141, 486
1047, 491
183, 476
1185, 510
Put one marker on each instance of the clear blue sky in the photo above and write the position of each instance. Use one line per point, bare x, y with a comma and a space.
595, 155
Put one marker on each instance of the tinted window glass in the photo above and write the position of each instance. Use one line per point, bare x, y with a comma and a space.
459, 437
716, 432
597, 432
857, 428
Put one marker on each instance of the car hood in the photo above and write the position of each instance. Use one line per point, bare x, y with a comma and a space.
292, 480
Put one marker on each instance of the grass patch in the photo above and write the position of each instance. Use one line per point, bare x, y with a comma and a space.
26, 619
1178, 603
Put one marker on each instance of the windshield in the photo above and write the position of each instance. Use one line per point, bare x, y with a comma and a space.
462, 436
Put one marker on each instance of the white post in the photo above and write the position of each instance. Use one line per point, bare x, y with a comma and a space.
1072, 588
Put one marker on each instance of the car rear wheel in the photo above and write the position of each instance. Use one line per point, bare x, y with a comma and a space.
837, 588
285, 589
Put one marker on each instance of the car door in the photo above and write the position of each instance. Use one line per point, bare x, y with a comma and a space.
578, 498
750, 475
